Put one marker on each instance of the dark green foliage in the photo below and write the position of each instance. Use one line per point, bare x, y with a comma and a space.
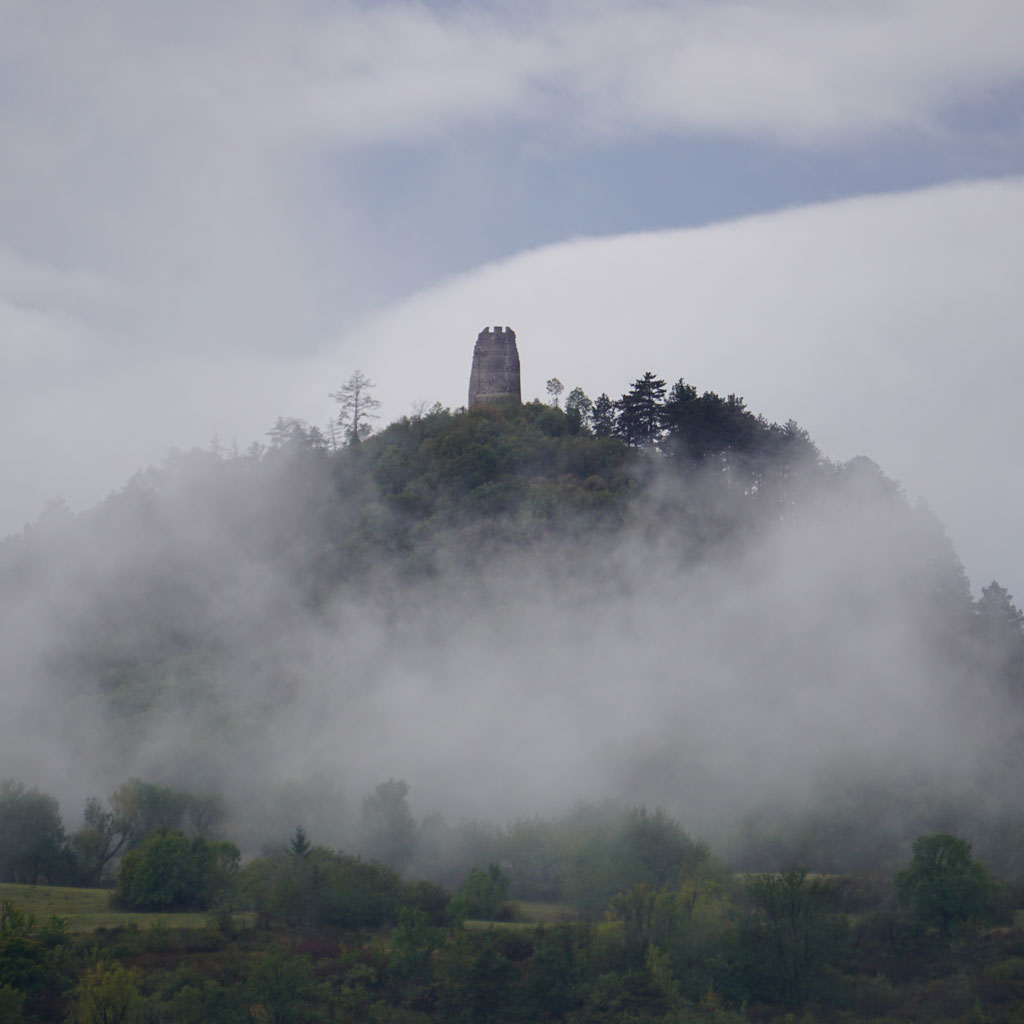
482, 895
24, 965
321, 887
655, 849
32, 842
794, 938
640, 416
635, 909
578, 408
413, 942
677, 932
624, 998
697, 475
534, 851
290, 437
283, 986
11, 1003
169, 871
109, 994
102, 837
555, 388
299, 845
582, 858
559, 970
997, 612
944, 886
677, 938
425, 493
502, 462
998, 630
428, 897
361, 894
29, 978
602, 416
476, 979
702, 950
143, 808
710, 425
137, 810
209, 1002
388, 829
615, 850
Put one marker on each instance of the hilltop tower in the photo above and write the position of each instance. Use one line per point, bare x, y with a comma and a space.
495, 373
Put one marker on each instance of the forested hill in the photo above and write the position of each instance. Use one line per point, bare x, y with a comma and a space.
662, 598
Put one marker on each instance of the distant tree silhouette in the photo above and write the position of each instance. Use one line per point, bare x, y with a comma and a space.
389, 831
999, 636
356, 407
577, 409
639, 420
944, 885
602, 416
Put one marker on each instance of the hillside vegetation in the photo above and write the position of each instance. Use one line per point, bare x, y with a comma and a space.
691, 605
534, 623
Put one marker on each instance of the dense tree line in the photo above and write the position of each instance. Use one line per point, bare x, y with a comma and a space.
36, 847
659, 928
444, 492
339, 938
442, 487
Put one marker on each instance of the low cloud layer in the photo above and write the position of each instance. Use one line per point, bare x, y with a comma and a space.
207, 216
885, 326
647, 665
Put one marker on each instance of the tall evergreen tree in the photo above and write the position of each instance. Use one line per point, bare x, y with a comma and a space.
999, 636
678, 412
602, 416
639, 422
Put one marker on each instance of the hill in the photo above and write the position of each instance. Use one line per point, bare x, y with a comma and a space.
664, 599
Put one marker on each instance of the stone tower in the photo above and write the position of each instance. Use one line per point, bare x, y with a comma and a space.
495, 373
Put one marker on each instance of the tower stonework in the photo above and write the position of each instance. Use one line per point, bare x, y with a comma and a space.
495, 373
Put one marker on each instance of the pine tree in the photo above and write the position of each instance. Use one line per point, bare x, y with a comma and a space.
639, 422
602, 416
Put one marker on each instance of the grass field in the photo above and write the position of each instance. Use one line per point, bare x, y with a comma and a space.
528, 915
85, 910
543, 913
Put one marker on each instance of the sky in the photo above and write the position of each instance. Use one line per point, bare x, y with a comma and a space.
212, 213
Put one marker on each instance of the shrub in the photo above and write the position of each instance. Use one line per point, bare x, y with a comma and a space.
321, 887
169, 871
481, 895
944, 886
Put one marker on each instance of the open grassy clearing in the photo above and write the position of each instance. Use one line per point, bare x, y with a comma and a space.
85, 910
543, 913
473, 925
529, 914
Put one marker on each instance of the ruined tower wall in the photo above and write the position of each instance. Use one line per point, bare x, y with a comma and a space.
495, 373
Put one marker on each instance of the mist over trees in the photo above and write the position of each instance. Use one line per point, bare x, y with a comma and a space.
662, 599
722, 712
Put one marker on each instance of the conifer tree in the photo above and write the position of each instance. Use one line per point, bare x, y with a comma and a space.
639, 422
356, 407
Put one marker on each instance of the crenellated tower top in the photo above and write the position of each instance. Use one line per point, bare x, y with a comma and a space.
495, 373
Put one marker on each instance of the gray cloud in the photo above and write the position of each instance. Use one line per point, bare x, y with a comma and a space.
642, 666
886, 326
185, 250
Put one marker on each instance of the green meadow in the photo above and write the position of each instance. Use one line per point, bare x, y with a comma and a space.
85, 910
